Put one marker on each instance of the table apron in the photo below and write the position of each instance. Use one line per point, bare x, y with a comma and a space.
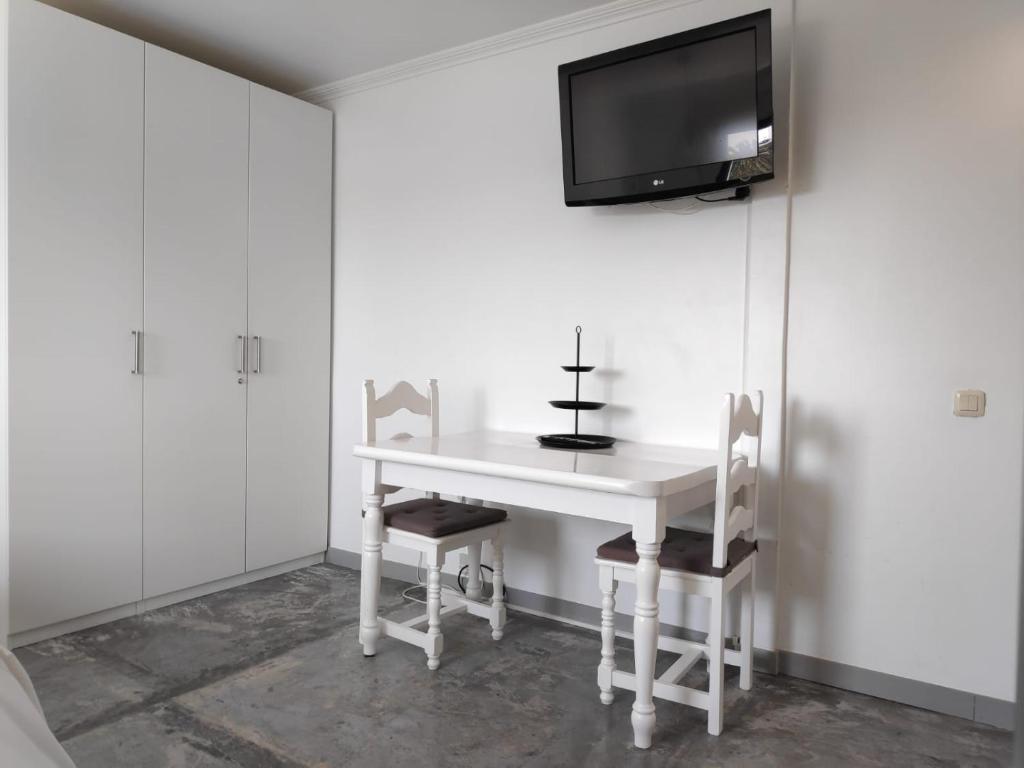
579, 502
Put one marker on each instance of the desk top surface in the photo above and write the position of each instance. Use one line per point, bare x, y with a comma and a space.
635, 469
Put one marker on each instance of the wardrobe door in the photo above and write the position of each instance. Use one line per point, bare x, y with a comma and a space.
75, 288
290, 328
197, 127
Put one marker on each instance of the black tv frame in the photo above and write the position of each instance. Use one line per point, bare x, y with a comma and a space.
676, 182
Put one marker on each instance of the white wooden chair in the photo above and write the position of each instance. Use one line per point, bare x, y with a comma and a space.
433, 527
708, 565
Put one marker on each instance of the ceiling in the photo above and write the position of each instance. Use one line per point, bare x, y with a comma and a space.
292, 45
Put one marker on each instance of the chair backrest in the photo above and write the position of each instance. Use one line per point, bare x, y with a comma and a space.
740, 416
401, 396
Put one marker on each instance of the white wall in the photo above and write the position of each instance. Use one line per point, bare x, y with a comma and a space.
900, 541
456, 258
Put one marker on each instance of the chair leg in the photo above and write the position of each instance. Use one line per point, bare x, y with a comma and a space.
498, 581
747, 630
606, 577
435, 640
716, 658
474, 587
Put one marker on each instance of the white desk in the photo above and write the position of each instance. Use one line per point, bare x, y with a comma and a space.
630, 483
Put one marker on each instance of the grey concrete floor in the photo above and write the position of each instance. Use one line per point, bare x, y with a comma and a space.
271, 674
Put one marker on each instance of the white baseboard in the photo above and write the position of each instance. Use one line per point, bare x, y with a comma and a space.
141, 606
902, 690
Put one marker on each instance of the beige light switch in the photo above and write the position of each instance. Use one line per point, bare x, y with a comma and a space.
969, 402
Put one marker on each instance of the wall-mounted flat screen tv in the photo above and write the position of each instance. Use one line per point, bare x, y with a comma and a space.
681, 115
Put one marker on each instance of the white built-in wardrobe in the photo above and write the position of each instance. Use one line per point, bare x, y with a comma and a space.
169, 308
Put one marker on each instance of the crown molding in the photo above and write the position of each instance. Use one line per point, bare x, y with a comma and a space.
524, 37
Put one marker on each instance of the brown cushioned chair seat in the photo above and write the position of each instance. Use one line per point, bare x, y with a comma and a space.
428, 517
681, 551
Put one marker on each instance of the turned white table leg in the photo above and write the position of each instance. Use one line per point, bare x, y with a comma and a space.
498, 582
435, 640
474, 583
716, 652
606, 577
369, 586
474, 586
645, 641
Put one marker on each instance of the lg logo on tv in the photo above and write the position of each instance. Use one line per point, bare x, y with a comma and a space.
658, 182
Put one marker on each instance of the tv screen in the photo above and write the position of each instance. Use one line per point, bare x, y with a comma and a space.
684, 114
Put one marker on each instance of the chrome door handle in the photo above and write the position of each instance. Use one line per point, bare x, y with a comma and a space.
241, 354
258, 365
136, 356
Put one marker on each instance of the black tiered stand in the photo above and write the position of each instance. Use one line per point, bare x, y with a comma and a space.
576, 441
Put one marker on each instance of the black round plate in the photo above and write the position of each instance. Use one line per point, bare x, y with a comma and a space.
577, 405
578, 368
577, 442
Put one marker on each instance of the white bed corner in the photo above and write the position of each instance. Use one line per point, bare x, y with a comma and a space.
25, 738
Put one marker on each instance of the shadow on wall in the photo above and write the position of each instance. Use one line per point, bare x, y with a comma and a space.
534, 550
478, 415
1018, 752
806, 571
810, 86
607, 375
